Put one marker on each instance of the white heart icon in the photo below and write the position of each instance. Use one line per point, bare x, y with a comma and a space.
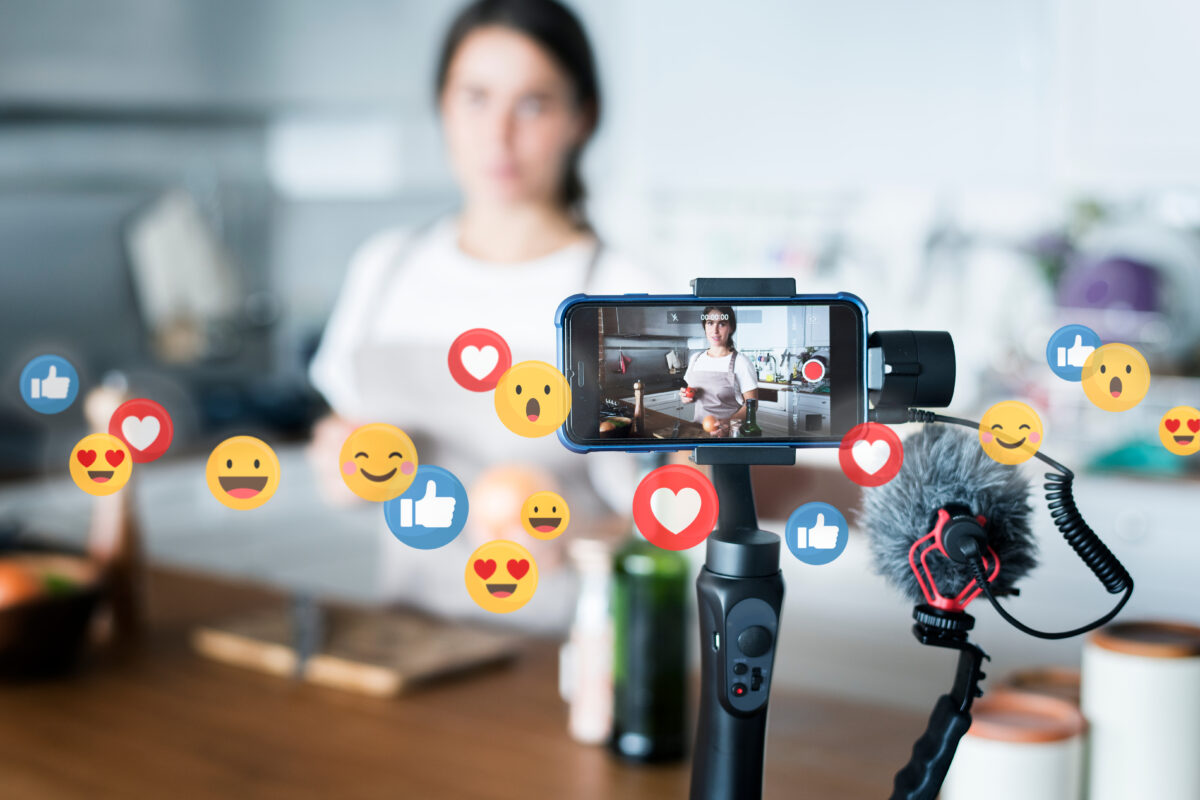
480, 361
140, 433
675, 510
871, 456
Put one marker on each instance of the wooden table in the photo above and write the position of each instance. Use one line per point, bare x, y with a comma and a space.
157, 721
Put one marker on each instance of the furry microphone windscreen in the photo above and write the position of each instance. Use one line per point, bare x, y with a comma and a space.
944, 464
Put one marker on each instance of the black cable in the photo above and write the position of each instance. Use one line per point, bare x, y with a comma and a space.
1070, 522
980, 571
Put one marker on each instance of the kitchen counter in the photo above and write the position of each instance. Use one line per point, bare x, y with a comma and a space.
146, 721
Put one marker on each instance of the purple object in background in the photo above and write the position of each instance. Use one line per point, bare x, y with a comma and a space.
1111, 282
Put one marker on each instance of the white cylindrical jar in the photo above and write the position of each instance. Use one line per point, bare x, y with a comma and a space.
1020, 745
1141, 694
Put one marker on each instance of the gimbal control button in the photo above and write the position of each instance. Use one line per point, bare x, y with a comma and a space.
754, 641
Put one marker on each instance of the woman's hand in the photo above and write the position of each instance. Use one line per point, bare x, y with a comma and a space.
686, 398
328, 435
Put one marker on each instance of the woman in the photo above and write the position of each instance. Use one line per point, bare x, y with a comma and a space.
518, 99
719, 380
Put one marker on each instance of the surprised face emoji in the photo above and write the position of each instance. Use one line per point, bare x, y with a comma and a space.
532, 399
1115, 377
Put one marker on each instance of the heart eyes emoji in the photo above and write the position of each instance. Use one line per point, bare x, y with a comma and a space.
1179, 431
501, 576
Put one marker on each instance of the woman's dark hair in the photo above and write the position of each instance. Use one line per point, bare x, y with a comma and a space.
724, 312
558, 32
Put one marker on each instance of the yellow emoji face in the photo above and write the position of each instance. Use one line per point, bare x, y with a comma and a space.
1010, 432
242, 472
1179, 430
1115, 377
532, 399
378, 462
101, 464
545, 515
501, 576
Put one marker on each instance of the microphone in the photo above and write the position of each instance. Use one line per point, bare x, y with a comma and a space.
947, 474
954, 525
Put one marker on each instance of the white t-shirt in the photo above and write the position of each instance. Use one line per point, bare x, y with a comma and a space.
743, 371
383, 358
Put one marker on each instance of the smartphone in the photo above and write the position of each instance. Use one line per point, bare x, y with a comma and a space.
698, 360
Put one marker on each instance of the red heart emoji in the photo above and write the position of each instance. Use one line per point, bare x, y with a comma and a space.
518, 568
484, 569
86, 457
1194, 425
114, 457
1172, 425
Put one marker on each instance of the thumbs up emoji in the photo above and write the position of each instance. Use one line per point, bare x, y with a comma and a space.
1076, 354
51, 387
430, 511
820, 536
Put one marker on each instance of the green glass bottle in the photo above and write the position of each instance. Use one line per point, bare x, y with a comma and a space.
650, 624
750, 427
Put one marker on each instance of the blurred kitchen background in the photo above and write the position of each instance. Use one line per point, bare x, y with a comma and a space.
182, 185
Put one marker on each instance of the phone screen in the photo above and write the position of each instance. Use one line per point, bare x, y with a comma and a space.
647, 371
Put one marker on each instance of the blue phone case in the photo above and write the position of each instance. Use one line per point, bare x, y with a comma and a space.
633, 299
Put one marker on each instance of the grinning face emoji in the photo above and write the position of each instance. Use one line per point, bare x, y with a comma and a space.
101, 464
545, 515
378, 462
1179, 430
1115, 377
1010, 432
242, 472
501, 576
532, 399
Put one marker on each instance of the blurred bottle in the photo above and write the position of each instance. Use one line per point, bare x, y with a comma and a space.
650, 624
585, 661
114, 536
751, 427
639, 409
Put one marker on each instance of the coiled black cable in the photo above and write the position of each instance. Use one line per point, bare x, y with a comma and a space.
1083, 540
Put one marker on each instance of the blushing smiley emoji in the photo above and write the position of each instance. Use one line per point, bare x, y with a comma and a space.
1179, 430
242, 472
501, 576
378, 462
545, 515
1010, 432
1115, 377
532, 399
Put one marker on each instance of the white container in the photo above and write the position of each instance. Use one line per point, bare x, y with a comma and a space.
1021, 746
1141, 694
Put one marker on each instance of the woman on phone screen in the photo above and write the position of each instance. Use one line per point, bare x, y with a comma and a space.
719, 380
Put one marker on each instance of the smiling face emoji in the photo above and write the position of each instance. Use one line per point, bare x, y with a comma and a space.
1115, 377
532, 399
1010, 432
101, 464
242, 472
501, 576
545, 515
1179, 430
378, 462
